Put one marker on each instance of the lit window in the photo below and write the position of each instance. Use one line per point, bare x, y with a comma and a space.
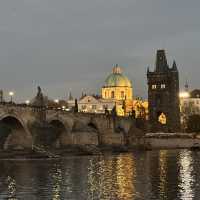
162, 118
162, 86
154, 87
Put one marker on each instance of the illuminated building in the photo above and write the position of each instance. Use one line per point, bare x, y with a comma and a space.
116, 92
94, 104
189, 105
118, 89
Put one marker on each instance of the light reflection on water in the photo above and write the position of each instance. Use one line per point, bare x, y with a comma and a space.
151, 175
186, 177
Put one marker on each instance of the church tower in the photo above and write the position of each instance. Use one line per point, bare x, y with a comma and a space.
163, 95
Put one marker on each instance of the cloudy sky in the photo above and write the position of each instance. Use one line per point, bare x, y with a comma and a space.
65, 45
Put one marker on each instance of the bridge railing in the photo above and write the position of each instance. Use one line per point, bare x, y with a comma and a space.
49, 110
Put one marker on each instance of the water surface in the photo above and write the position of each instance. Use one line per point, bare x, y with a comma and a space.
151, 175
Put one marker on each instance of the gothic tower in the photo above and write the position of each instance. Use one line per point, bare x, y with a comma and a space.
163, 95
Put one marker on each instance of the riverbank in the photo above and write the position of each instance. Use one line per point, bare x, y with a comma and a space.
151, 141
172, 140
61, 153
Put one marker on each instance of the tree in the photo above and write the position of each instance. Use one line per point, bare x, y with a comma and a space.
76, 106
193, 123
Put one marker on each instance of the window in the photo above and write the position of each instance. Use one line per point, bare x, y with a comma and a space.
94, 107
162, 118
112, 94
154, 87
105, 106
122, 94
83, 107
162, 86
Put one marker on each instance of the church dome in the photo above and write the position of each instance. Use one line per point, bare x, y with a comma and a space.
117, 79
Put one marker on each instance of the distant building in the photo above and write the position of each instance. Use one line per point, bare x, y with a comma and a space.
116, 92
140, 108
163, 95
189, 105
93, 104
70, 101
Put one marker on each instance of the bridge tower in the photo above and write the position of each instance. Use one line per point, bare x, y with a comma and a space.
163, 95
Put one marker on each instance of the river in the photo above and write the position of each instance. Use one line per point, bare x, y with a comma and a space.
148, 175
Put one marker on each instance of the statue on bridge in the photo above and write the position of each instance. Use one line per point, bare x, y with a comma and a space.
39, 105
39, 99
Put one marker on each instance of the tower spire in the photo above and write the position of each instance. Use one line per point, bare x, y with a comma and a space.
174, 66
70, 98
186, 86
161, 61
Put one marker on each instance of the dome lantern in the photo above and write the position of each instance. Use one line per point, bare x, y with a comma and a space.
117, 69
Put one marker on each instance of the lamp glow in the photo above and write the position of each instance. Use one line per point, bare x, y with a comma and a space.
184, 94
27, 102
11, 94
56, 101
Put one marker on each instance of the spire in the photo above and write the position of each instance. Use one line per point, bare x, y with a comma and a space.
70, 98
174, 66
148, 69
186, 86
1, 96
161, 61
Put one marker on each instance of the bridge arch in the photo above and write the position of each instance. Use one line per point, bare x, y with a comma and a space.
14, 132
61, 132
96, 125
60, 123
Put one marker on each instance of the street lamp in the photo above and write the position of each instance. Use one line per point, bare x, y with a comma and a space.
184, 94
11, 94
56, 101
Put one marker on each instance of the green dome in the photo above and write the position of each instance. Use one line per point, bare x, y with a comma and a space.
117, 80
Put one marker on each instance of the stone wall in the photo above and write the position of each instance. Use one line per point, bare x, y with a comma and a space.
85, 138
171, 143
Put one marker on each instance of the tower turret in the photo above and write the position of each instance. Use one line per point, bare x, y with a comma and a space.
174, 66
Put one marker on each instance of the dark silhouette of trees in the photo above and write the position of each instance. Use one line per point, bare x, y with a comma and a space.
193, 123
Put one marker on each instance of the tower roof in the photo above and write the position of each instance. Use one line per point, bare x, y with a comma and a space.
161, 61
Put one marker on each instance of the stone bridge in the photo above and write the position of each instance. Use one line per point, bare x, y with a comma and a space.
23, 126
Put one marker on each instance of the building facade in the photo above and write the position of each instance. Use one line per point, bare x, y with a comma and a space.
189, 105
117, 91
163, 95
94, 104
